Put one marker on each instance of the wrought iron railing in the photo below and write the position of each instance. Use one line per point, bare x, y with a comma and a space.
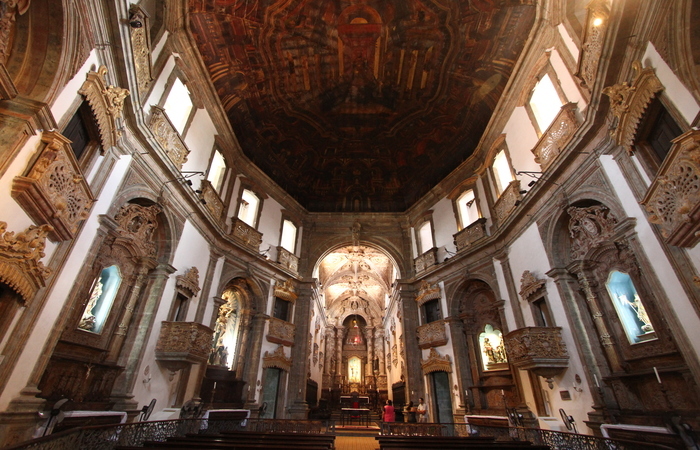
554, 439
135, 434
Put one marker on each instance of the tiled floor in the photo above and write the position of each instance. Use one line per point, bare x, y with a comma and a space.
355, 443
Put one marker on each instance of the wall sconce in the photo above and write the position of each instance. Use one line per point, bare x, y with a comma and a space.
577, 383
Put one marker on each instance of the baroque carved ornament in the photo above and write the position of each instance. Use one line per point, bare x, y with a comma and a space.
54, 190
673, 198
530, 284
628, 103
141, 45
436, 363
139, 224
189, 282
107, 104
588, 227
277, 360
285, 290
592, 47
427, 292
20, 259
8, 13
432, 334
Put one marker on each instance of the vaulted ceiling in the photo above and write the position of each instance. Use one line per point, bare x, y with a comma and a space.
359, 105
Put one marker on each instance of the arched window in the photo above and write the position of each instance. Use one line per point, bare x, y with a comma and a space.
102, 295
629, 307
178, 106
468, 211
248, 209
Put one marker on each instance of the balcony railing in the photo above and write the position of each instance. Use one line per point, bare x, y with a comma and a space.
247, 235
432, 334
673, 198
183, 343
470, 234
539, 349
509, 199
426, 260
281, 332
557, 136
287, 259
168, 137
212, 199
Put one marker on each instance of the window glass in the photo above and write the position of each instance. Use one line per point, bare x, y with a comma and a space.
629, 307
426, 237
468, 212
501, 171
545, 103
102, 295
289, 236
217, 171
248, 210
178, 105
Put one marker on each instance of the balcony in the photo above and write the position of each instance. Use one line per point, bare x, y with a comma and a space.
557, 136
287, 260
281, 332
426, 260
673, 198
538, 349
509, 199
470, 234
183, 343
168, 137
245, 234
432, 334
212, 199
54, 192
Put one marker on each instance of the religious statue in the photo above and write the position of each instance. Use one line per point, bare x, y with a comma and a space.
87, 322
641, 312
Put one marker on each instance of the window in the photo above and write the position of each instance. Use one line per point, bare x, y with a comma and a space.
281, 309
657, 130
466, 206
545, 103
84, 135
180, 308
502, 172
248, 209
431, 309
178, 105
289, 236
425, 236
102, 295
629, 307
217, 170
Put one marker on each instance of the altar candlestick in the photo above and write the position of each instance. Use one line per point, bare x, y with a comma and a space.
658, 378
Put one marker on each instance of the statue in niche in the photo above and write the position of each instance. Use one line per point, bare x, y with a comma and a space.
87, 322
641, 312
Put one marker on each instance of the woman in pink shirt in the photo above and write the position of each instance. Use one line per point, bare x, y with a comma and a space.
389, 413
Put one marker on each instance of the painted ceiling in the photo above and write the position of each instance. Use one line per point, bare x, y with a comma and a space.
359, 105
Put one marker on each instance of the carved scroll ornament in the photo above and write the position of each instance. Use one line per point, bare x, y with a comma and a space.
139, 223
246, 234
285, 290
106, 102
189, 282
588, 227
628, 103
432, 334
168, 137
673, 199
281, 332
436, 363
530, 284
277, 359
592, 47
8, 12
54, 191
287, 259
183, 343
426, 260
427, 292
20, 259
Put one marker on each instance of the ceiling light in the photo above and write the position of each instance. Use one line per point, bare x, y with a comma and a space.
598, 21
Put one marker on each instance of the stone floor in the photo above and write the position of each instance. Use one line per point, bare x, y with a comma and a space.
356, 443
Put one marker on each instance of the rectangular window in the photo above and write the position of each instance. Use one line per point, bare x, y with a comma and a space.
432, 310
501, 171
217, 170
289, 236
466, 205
545, 103
180, 311
425, 233
248, 210
178, 105
281, 309
540, 312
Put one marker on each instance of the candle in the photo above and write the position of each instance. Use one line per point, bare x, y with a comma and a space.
658, 378
503, 393
596, 380
466, 393
215, 385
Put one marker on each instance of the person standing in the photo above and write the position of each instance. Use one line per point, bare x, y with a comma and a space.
389, 413
422, 411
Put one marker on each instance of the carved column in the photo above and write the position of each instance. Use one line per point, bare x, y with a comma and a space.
339, 354
381, 352
329, 350
369, 374
502, 257
137, 337
298, 408
206, 289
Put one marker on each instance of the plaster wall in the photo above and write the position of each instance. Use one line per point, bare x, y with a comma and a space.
270, 224
445, 224
200, 140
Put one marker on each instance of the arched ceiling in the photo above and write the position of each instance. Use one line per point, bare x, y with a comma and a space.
359, 105
356, 280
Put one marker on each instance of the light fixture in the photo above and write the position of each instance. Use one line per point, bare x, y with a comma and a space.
598, 21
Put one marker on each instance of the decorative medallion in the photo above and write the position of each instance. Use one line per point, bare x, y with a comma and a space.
139, 224
588, 227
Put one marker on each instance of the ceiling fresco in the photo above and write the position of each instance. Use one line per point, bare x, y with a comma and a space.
356, 280
361, 105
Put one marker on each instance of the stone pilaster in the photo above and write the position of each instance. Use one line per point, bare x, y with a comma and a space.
296, 400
